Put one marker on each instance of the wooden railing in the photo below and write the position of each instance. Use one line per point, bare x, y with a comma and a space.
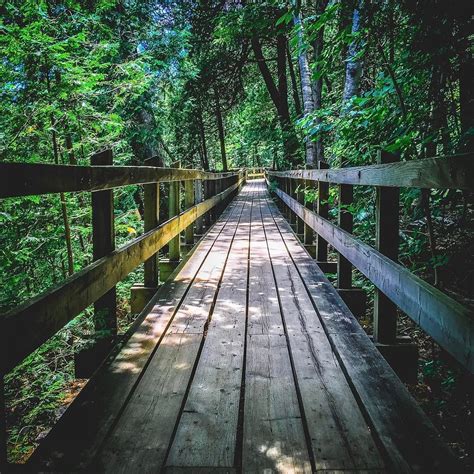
449, 323
255, 173
28, 326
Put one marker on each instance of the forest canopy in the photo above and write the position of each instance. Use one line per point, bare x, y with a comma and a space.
220, 85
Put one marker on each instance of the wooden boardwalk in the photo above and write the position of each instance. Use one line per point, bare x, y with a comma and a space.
249, 361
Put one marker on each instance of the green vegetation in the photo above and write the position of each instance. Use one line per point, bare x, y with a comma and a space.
220, 85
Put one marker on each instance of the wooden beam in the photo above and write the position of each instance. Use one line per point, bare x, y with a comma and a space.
41, 317
308, 232
322, 208
449, 323
197, 199
387, 226
151, 220
103, 243
23, 179
346, 222
447, 172
189, 202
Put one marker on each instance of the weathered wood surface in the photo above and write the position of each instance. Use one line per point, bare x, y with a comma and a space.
207, 432
445, 320
41, 317
273, 431
80, 432
450, 172
408, 439
24, 179
103, 243
339, 436
234, 370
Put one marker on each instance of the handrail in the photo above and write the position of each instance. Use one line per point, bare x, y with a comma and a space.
447, 321
42, 316
28, 326
23, 179
448, 172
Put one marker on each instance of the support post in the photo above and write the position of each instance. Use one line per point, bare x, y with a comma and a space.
387, 209
189, 202
103, 242
141, 294
174, 205
198, 185
151, 220
300, 199
308, 237
400, 353
292, 187
322, 209
344, 267
206, 218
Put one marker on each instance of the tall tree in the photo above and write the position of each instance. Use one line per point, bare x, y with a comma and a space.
353, 61
305, 75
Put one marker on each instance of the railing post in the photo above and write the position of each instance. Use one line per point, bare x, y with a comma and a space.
308, 238
174, 245
103, 242
346, 221
151, 220
292, 216
188, 203
322, 209
288, 191
206, 218
140, 295
400, 353
300, 198
387, 209
198, 185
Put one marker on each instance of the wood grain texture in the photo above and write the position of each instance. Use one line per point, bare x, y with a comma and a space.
193, 390
273, 433
445, 320
409, 439
207, 430
24, 179
142, 435
449, 172
41, 317
340, 437
74, 441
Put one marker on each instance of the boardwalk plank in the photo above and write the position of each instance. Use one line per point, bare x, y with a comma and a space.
82, 429
274, 439
141, 437
339, 434
409, 439
206, 434
317, 396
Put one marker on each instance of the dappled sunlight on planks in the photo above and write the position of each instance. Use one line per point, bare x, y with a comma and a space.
283, 463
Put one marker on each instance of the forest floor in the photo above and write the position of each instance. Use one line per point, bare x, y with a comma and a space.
41, 389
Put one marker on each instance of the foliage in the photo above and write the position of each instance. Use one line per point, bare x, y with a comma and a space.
181, 79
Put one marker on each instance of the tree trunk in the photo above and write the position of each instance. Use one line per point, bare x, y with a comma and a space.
202, 134
354, 64
317, 84
294, 85
279, 95
220, 127
62, 196
289, 136
305, 75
